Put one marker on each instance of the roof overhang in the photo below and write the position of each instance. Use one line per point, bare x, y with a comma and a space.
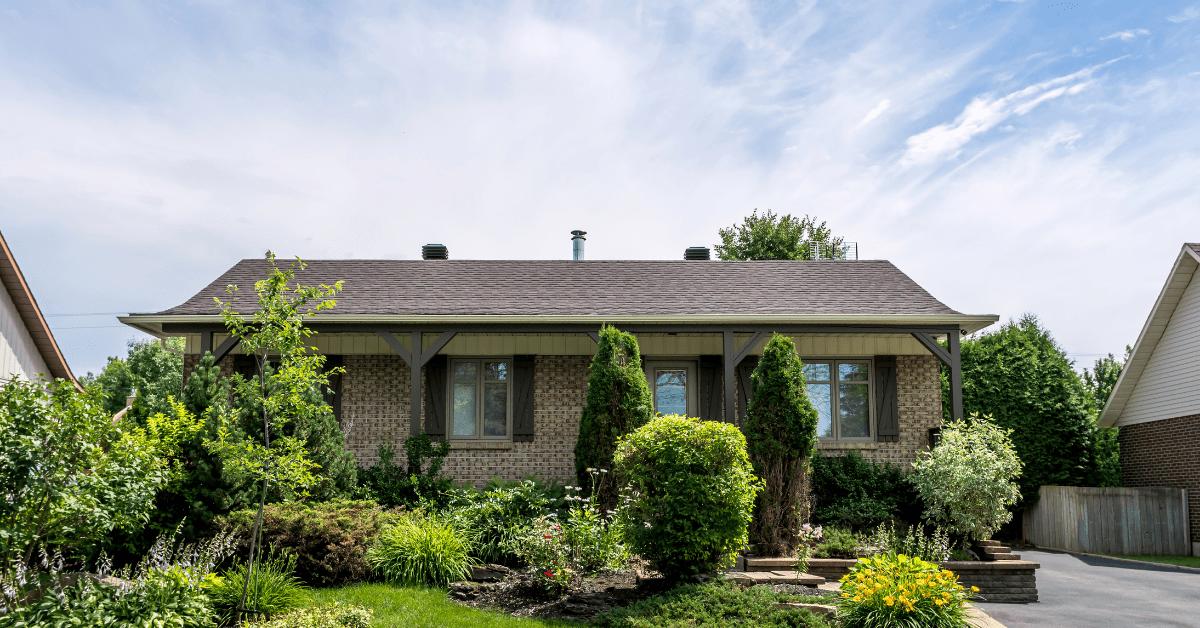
162, 326
1168, 299
31, 315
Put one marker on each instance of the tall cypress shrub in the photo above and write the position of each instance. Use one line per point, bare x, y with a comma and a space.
618, 402
781, 429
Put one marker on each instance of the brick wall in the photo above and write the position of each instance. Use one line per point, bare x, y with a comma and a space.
1164, 453
919, 397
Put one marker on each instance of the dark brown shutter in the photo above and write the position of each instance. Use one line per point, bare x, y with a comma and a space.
333, 392
745, 387
887, 408
436, 376
523, 373
710, 388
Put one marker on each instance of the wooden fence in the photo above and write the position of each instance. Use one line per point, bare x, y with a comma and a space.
1135, 521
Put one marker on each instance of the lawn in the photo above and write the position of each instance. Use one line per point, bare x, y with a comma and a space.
418, 607
1183, 561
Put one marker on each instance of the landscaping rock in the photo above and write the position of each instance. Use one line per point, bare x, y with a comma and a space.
489, 573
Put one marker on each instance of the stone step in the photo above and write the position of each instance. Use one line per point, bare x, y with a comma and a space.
752, 578
1003, 557
995, 549
771, 564
988, 543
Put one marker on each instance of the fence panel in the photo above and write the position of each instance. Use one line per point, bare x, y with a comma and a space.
1151, 521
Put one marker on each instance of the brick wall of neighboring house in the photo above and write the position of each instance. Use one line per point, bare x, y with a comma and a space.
1164, 453
919, 392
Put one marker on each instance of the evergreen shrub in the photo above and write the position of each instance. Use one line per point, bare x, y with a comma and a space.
418, 482
849, 490
690, 494
781, 429
618, 402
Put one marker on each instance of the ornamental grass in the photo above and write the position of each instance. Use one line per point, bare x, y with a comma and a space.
895, 590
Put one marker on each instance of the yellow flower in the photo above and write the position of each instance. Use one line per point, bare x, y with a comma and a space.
939, 602
974, 589
890, 600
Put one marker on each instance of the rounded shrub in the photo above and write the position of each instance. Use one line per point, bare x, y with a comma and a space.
422, 549
690, 493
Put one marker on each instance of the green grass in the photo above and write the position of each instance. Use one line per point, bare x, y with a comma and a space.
714, 604
1183, 561
421, 607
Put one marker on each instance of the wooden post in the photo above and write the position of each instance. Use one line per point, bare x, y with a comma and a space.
956, 383
414, 367
730, 381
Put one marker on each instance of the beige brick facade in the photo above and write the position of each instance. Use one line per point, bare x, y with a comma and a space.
375, 397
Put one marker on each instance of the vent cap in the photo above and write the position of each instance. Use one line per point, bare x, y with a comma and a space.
435, 251
697, 253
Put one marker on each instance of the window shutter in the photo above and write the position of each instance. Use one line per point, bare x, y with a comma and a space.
333, 392
745, 387
710, 388
887, 407
436, 376
523, 374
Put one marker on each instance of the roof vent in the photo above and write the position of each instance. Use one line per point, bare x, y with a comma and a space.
435, 251
696, 253
577, 240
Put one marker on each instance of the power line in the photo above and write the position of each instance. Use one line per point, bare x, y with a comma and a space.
87, 314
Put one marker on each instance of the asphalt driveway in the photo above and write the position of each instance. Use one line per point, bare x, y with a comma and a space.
1097, 592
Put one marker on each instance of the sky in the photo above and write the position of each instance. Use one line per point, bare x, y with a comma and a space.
1011, 157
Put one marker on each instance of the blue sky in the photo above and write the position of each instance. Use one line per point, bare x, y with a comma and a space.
1010, 156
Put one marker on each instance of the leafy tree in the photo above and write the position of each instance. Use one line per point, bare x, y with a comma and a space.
1100, 382
774, 237
156, 374
283, 398
781, 429
618, 402
1023, 379
967, 481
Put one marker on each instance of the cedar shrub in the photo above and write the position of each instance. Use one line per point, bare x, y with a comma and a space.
781, 429
618, 402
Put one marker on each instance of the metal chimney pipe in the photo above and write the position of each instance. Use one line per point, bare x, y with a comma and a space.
577, 240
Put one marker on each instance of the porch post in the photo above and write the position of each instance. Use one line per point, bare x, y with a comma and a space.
730, 382
414, 367
956, 384
206, 340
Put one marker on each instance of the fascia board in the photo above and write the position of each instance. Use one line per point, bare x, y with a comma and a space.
1152, 331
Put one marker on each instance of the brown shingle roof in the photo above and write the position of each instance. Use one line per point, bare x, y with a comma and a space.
604, 288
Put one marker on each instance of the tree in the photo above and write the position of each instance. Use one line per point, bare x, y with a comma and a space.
781, 429
1107, 452
1103, 378
618, 402
155, 373
775, 237
282, 397
967, 481
1020, 377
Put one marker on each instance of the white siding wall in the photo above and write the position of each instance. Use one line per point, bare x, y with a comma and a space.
18, 355
1170, 385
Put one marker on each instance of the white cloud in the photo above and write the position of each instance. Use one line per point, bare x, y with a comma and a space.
985, 112
1189, 13
1128, 35
874, 113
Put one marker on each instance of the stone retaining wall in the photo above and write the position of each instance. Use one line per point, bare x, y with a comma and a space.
1012, 581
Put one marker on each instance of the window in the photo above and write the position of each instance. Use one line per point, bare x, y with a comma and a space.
480, 398
673, 385
840, 390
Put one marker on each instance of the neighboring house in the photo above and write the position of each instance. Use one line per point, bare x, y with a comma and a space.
504, 348
27, 348
1156, 402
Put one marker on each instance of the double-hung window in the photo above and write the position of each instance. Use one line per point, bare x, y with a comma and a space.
840, 390
480, 398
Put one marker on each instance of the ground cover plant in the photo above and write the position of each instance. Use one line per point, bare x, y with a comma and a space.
691, 493
970, 479
422, 548
851, 491
781, 429
332, 615
714, 604
422, 607
889, 590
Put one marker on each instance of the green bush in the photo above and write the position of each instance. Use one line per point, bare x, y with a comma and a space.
274, 589
852, 491
781, 428
422, 549
837, 543
328, 539
618, 402
714, 604
969, 480
418, 482
500, 511
332, 615
161, 598
691, 493
889, 590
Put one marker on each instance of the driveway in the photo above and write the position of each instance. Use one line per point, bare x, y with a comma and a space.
1088, 591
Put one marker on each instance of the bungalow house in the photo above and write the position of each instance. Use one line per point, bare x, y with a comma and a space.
27, 348
493, 354
1156, 402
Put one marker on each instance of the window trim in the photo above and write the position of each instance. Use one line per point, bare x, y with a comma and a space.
479, 436
692, 392
834, 397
